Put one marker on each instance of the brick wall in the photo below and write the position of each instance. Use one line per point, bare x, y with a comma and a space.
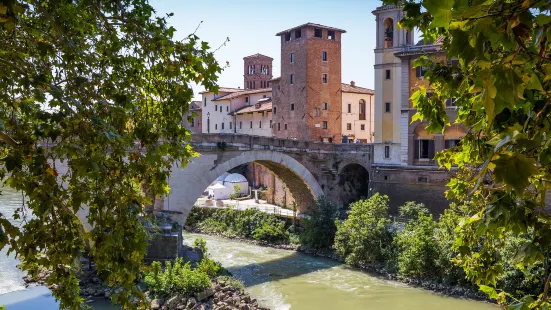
257, 61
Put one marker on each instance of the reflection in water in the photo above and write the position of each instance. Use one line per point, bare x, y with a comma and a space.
282, 279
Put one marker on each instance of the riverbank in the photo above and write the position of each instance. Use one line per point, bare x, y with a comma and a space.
440, 288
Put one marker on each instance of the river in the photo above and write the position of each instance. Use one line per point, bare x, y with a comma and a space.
279, 279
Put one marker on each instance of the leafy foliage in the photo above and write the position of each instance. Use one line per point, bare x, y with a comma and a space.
176, 278
502, 83
319, 227
418, 249
100, 88
366, 236
250, 223
201, 244
209, 267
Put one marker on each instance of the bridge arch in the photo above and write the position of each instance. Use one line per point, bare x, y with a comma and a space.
353, 182
189, 183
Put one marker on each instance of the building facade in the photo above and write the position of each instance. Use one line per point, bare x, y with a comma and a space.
257, 71
195, 121
307, 99
358, 107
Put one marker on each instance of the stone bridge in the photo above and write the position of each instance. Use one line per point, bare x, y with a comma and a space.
309, 169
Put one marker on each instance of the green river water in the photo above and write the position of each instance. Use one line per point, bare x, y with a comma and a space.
278, 279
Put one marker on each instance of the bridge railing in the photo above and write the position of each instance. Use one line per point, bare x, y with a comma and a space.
276, 143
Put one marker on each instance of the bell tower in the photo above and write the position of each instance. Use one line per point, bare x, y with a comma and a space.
391, 87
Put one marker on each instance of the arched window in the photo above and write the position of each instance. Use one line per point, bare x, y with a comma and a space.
389, 32
361, 110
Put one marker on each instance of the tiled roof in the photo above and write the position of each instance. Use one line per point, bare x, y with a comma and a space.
257, 55
347, 88
261, 106
224, 90
243, 93
195, 106
311, 25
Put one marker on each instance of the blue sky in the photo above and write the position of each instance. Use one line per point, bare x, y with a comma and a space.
252, 25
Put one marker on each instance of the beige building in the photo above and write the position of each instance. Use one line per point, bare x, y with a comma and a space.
358, 107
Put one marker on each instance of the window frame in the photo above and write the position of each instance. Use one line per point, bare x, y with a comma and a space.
325, 78
325, 106
387, 151
348, 126
292, 79
324, 56
388, 108
387, 74
324, 125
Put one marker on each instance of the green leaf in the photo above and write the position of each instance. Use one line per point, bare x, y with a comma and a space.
441, 10
490, 291
514, 170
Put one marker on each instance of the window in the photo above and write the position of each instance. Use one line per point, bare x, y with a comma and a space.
285, 126
230, 126
317, 112
317, 33
292, 81
420, 71
215, 126
387, 107
270, 123
215, 108
324, 78
425, 149
387, 74
288, 36
240, 125
227, 108
324, 124
221, 109
251, 125
324, 56
246, 99
349, 108
451, 102
362, 127
298, 33
452, 143
348, 126
387, 151
260, 124
205, 100
292, 57
362, 110
278, 127
292, 106
193, 122
324, 106
275, 109
254, 84
330, 35
222, 126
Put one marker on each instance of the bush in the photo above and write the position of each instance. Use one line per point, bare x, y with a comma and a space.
445, 237
176, 278
319, 227
249, 223
201, 244
209, 267
418, 249
365, 237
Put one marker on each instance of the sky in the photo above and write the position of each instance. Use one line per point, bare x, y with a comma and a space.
251, 27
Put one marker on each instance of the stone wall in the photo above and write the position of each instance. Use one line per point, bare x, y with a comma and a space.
403, 184
277, 192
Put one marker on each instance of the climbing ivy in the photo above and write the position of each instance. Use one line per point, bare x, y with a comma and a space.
91, 108
502, 85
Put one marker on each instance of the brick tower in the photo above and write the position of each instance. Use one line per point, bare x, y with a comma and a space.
257, 71
307, 99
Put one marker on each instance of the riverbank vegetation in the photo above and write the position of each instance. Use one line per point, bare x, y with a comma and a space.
418, 248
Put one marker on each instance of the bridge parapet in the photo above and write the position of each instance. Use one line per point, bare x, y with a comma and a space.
248, 142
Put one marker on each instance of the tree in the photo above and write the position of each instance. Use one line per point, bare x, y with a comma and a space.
236, 190
100, 87
319, 224
502, 84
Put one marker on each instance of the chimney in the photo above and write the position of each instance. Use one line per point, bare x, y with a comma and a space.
352, 83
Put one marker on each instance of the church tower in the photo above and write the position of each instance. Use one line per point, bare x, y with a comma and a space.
391, 88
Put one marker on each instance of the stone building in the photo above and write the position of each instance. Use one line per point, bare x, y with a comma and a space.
195, 123
307, 98
257, 71
403, 166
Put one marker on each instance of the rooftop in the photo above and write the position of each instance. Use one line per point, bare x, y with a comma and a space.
223, 90
263, 105
347, 88
244, 92
257, 55
195, 105
311, 25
